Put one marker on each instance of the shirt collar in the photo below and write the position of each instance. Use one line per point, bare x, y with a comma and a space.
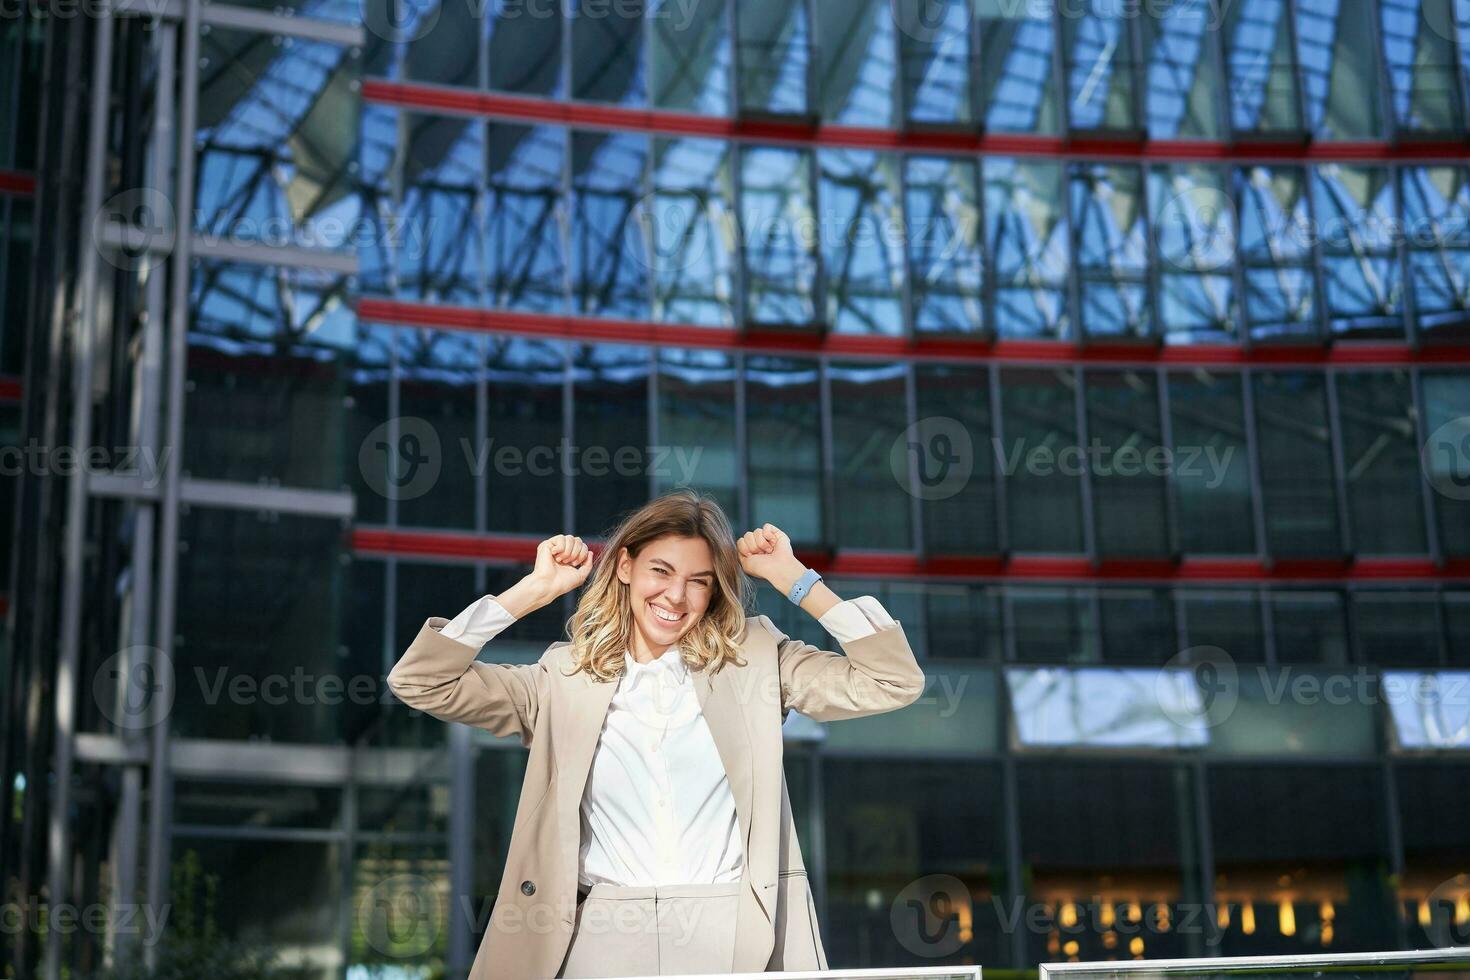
671, 660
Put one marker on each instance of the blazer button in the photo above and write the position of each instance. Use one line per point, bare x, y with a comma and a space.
528, 888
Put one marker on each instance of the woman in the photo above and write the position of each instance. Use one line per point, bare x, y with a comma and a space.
654, 834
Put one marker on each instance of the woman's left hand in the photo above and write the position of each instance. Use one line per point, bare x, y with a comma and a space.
766, 553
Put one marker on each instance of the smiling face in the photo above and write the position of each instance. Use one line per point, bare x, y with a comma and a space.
670, 585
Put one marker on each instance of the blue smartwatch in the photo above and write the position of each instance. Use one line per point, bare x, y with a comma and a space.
803, 585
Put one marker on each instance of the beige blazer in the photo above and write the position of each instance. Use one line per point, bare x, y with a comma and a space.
560, 718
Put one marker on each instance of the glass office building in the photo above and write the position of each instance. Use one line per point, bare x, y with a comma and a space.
1121, 350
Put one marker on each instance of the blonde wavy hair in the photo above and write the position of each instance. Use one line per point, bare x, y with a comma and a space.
601, 629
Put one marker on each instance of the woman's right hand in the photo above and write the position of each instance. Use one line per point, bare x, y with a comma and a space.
563, 562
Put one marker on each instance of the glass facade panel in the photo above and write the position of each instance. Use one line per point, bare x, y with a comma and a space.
1276, 232
1054, 625
1264, 94
1017, 73
779, 235
888, 825
439, 374
610, 429
401, 907
855, 50
1446, 455
225, 804
954, 448
525, 388
1295, 711
1381, 462
696, 426
1309, 627
259, 628
690, 55
525, 226
869, 416
441, 220
607, 51
783, 406
965, 621
1127, 463
1428, 709
1137, 626
692, 232
523, 51
271, 351
610, 265
1105, 876
946, 255
1112, 250
1294, 875
1396, 628
1423, 72
17, 246
1028, 244
441, 40
379, 162
1039, 455
276, 127
1227, 619
954, 717
1297, 481
294, 920
1182, 76
1210, 467
1434, 886
934, 38
1457, 626
1195, 234
862, 241
774, 47
9, 482
1362, 282
382, 468
1104, 707
1099, 51
1436, 233
21, 51
1339, 69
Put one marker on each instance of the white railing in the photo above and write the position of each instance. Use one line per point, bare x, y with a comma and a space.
1454, 958
876, 973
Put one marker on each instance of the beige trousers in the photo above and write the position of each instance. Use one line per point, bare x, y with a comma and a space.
654, 930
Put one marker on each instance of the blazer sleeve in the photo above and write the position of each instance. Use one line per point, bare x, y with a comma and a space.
878, 673
441, 677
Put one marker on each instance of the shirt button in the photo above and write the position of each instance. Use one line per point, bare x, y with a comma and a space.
660, 801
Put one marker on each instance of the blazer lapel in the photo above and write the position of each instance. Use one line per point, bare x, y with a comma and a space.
585, 715
725, 717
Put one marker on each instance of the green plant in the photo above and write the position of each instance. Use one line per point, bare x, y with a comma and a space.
192, 947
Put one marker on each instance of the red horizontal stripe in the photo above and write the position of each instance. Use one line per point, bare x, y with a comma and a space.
597, 329
1061, 568
10, 390
4, 604
16, 183
589, 115
440, 544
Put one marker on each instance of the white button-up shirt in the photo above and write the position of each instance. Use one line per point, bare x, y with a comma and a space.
657, 808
